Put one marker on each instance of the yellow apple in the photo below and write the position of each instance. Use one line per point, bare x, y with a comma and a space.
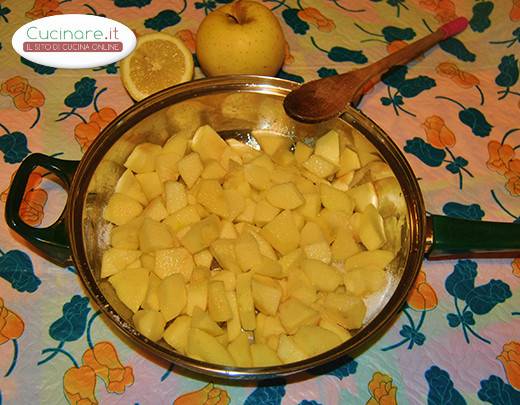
244, 37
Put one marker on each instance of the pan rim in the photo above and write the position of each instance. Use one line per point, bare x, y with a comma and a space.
262, 85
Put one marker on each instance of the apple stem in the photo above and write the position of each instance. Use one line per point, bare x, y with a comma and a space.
240, 12
233, 18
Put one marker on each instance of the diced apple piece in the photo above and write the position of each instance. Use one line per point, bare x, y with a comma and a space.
230, 158
266, 294
311, 207
288, 351
166, 166
363, 195
172, 261
319, 167
247, 251
151, 301
115, 260
175, 196
200, 273
291, 260
340, 332
127, 236
352, 308
263, 355
327, 146
238, 348
148, 261
213, 170
121, 209
282, 232
235, 180
233, 325
207, 348
248, 214
131, 286
142, 158
264, 212
218, 305
343, 183
201, 234
176, 335
271, 325
203, 321
311, 233
229, 278
240, 147
268, 267
305, 186
208, 143
210, 195
265, 248
366, 158
335, 200
302, 152
294, 313
190, 168
246, 308
371, 228
149, 323
376, 258
172, 296
284, 158
314, 340
129, 186
271, 142
354, 221
284, 174
285, 196
177, 144
203, 258
134, 265
322, 276
364, 281
344, 245
227, 230
257, 176
156, 210
197, 296
380, 170
349, 161
264, 161
154, 235
151, 184
299, 220
181, 218
236, 203
223, 250
318, 251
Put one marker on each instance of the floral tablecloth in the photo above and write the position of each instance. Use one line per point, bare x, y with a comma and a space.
455, 115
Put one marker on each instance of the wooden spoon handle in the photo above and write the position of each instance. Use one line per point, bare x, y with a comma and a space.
404, 55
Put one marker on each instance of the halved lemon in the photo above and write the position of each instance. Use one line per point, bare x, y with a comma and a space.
157, 62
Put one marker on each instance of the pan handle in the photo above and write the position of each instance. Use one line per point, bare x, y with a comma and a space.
52, 241
452, 238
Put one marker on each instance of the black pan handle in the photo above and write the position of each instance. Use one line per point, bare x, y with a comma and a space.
53, 241
453, 238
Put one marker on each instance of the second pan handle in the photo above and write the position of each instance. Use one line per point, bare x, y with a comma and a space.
451, 238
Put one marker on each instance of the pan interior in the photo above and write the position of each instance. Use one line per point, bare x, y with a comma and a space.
236, 110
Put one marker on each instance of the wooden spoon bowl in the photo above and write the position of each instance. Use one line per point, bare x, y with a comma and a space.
324, 99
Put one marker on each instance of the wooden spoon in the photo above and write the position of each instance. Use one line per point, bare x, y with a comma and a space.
323, 99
